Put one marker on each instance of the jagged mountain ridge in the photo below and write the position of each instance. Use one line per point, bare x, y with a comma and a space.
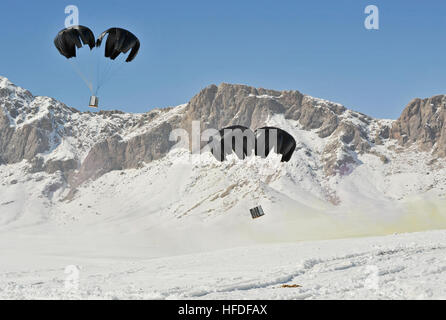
52, 138
33, 126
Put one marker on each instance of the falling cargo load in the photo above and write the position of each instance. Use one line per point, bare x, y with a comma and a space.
257, 212
94, 102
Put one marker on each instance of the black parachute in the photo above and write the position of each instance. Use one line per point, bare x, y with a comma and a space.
119, 41
228, 142
242, 141
272, 138
68, 39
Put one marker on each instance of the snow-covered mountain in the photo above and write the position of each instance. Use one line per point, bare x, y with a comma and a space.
111, 193
58, 158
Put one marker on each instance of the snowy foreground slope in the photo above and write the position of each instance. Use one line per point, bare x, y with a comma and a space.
133, 244
405, 266
108, 195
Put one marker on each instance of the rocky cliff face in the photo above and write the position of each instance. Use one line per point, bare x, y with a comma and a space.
348, 131
19, 138
52, 137
422, 123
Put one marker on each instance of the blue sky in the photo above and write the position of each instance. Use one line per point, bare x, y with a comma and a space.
318, 47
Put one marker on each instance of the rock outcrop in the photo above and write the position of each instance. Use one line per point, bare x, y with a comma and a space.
423, 123
52, 137
227, 104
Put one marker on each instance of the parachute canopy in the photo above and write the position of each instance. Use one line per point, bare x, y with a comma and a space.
237, 139
272, 138
242, 141
119, 41
68, 39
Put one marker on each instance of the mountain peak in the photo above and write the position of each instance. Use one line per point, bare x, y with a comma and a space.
423, 123
84, 145
4, 82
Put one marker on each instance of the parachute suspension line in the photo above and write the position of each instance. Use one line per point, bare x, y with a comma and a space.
103, 75
108, 68
90, 65
98, 62
80, 74
118, 41
111, 72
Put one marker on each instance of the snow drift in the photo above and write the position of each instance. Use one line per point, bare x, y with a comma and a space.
97, 189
